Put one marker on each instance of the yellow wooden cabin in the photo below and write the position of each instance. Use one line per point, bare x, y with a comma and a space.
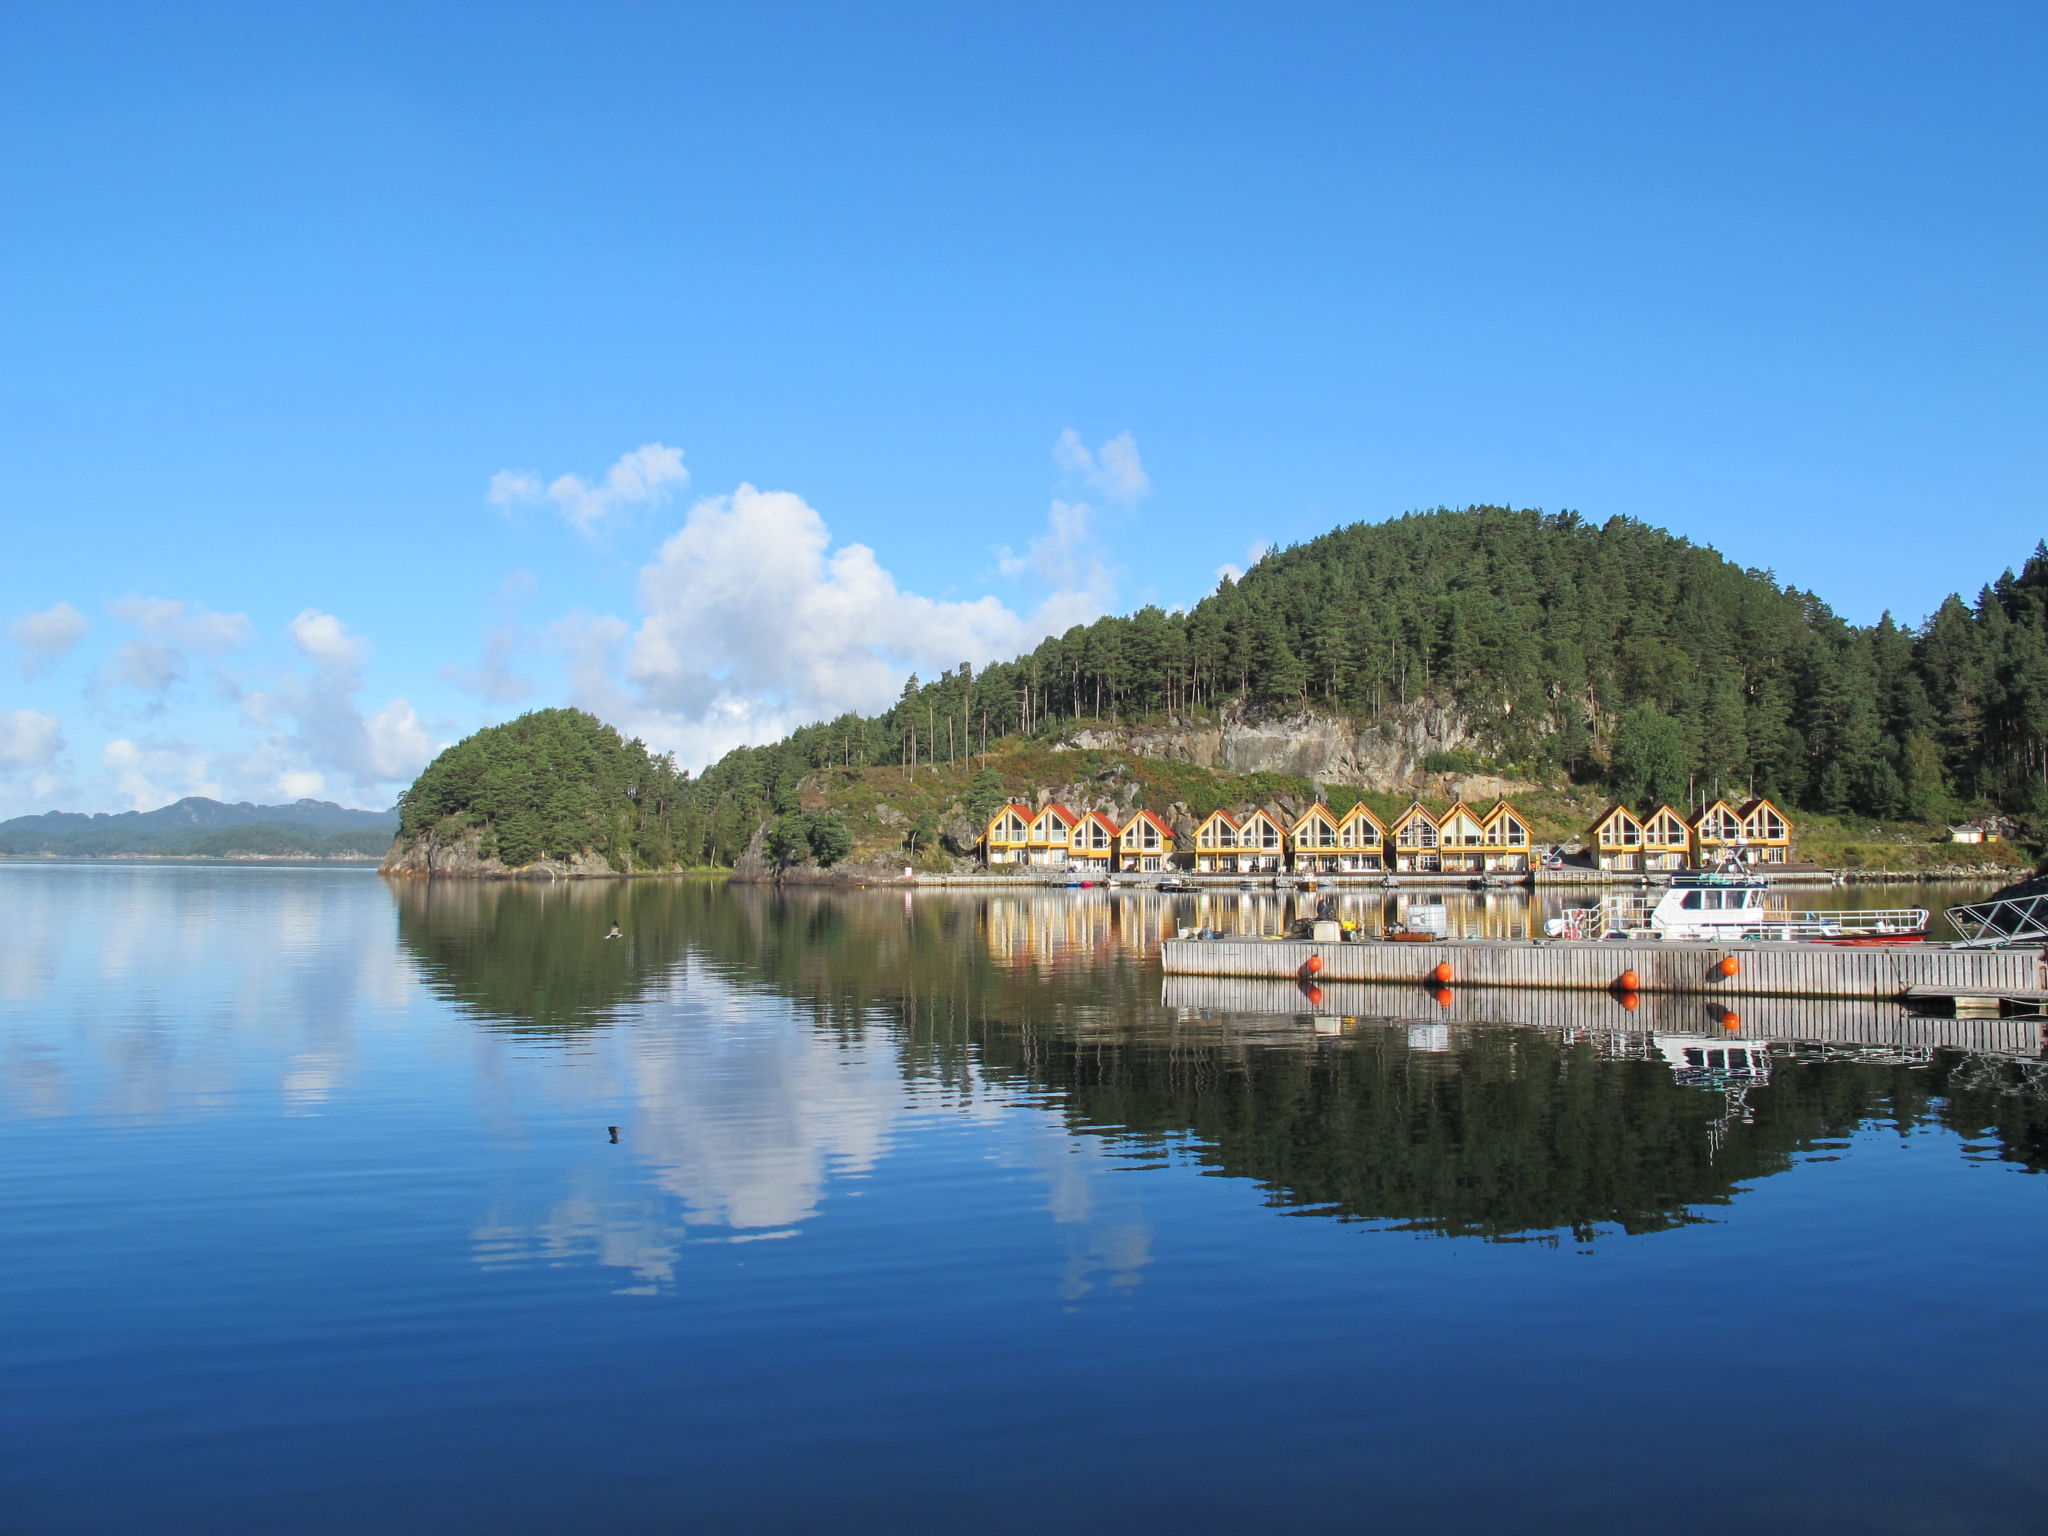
1092, 845
1216, 844
1506, 843
1667, 840
1414, 835
1313, 839
1766, 833
1261, 843
1051, 838
1615, 841
1716, 833
1145, 844
1007, 838
1361, 842
1461, 841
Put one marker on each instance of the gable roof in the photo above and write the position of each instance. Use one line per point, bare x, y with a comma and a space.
1612, 811
1708, 810
1138, 816
1416, 810
1069, 817
1023, 812
1502, 808
1361, 810
1097, 816
1218, 816
1659, 814
1750, 807
1317, 809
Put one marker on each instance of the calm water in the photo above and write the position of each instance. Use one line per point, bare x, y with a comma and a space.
927, 1214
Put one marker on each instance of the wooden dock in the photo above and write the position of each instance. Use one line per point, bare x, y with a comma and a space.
1759, 970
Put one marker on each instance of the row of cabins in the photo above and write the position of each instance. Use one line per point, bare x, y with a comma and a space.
1756, 832
1461, 841
1318, 841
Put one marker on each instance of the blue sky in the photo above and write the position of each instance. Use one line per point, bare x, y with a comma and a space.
883, 337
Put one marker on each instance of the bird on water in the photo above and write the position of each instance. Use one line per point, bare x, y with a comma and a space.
615, 934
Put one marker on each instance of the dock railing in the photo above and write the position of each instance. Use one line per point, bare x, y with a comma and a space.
2009, 920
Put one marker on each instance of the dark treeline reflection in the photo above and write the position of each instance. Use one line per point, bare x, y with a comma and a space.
1492, 1131
534, 958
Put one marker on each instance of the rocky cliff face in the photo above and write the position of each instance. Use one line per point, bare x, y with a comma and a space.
464, 859
1386, 756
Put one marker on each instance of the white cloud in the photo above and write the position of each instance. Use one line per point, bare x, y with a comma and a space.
331, 739
495, 679
32, 764
755, 623
45, 637
510, 487
1064, 555
29, 739
1114, 470
327, 641
168, 631
644, 477
152, 774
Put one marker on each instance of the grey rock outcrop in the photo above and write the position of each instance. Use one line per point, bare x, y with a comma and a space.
463, 858
1320, 748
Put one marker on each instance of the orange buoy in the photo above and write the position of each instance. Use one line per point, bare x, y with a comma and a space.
1730, 965
1731, 1021
1630, 981
1313, 964
1630, 1001
1445, 997
1315, 997
1443, 972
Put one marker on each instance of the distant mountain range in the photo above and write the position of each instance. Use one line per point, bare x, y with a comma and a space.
199, 827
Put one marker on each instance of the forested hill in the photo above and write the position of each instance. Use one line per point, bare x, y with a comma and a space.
1612, 652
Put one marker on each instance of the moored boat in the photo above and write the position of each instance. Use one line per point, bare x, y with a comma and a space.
1717, 907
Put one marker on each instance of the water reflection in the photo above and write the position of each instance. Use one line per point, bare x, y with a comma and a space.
1501, 1116
154, 986
536, 958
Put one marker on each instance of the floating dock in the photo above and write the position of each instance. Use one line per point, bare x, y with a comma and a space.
1886, 972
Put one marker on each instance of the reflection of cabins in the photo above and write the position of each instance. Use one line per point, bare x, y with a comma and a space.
1145, 843
1460, 841
1505, 840
1216, 844
1093, 844
1414, 834
1757, 831
1051, 837
1361, 842
1261, 844
1007, 839
1314, 838
1041, 929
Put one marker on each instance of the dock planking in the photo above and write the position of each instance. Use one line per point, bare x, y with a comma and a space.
1762, 970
